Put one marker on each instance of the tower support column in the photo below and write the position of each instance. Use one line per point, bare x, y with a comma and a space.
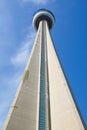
44, 100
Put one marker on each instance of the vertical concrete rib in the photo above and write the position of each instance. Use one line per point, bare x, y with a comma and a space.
44, 120
47, 84
42, 103
24, 114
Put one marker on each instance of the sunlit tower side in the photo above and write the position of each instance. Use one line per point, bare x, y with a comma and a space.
44, 100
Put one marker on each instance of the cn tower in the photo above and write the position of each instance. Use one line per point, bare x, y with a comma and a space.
44, 100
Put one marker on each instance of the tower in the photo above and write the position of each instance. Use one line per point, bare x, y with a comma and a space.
44, 100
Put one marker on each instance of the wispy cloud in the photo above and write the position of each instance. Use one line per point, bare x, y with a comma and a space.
42, 2
22, 54
6, 38
36, 1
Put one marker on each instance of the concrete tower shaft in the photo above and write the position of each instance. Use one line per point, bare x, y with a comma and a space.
44, 100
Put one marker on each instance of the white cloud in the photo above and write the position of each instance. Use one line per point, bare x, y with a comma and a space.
23, 52
43, 2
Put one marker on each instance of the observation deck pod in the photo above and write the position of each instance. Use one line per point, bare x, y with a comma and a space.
43, 14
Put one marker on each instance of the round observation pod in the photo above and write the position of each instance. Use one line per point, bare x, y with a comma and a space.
43, 14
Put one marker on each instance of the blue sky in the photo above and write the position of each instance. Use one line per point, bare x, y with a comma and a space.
16, 39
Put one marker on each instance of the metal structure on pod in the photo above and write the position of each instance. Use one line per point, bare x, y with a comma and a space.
44, 100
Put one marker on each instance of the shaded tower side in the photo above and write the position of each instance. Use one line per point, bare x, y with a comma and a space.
64, 112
